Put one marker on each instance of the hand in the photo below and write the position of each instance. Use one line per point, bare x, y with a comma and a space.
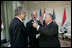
34, 25
38, 36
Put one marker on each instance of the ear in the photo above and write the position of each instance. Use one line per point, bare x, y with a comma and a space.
20, 13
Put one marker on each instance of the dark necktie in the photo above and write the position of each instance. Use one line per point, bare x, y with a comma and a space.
45, 25
22, 22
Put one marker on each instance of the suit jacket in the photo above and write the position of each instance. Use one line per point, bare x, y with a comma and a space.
32, 32
49, 35
18, 34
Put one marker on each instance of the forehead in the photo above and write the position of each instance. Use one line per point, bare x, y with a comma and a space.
47, 15
34, 12
23, 12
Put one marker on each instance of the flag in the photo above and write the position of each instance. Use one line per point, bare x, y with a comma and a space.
44, 15
41, 17
2, 32
40, 13
54, 18
64, 17
64, 22
2, 26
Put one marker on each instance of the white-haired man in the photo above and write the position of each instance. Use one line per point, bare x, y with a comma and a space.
33, 33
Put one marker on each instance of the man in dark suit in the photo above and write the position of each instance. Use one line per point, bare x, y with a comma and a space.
17, 30
33, 33
48, 33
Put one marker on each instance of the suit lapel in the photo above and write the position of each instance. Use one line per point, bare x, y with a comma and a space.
50, 24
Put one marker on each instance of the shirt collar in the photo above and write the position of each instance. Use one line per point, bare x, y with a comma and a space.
19, 19
49, 22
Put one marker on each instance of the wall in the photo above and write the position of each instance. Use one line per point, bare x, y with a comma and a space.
8, 7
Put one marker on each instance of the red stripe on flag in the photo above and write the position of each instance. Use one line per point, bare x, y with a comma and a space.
44, 11
1, 22
64, 17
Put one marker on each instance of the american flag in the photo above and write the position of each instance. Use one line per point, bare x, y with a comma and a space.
41, 17
54, 18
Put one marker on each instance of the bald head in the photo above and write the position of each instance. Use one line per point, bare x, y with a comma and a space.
34, 14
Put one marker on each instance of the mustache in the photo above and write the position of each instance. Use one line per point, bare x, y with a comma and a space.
34, 16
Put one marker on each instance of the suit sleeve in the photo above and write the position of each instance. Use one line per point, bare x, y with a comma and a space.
53, 30
39, 23
29, 31
14, 34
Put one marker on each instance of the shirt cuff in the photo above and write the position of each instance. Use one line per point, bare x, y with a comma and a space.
37, 35
38, 27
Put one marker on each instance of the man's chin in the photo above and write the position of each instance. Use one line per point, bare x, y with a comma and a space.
23, 19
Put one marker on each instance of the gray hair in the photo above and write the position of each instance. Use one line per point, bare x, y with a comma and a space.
49, 15
19, 10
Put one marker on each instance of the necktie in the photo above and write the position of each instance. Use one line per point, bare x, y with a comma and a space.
22, 22
45, 25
